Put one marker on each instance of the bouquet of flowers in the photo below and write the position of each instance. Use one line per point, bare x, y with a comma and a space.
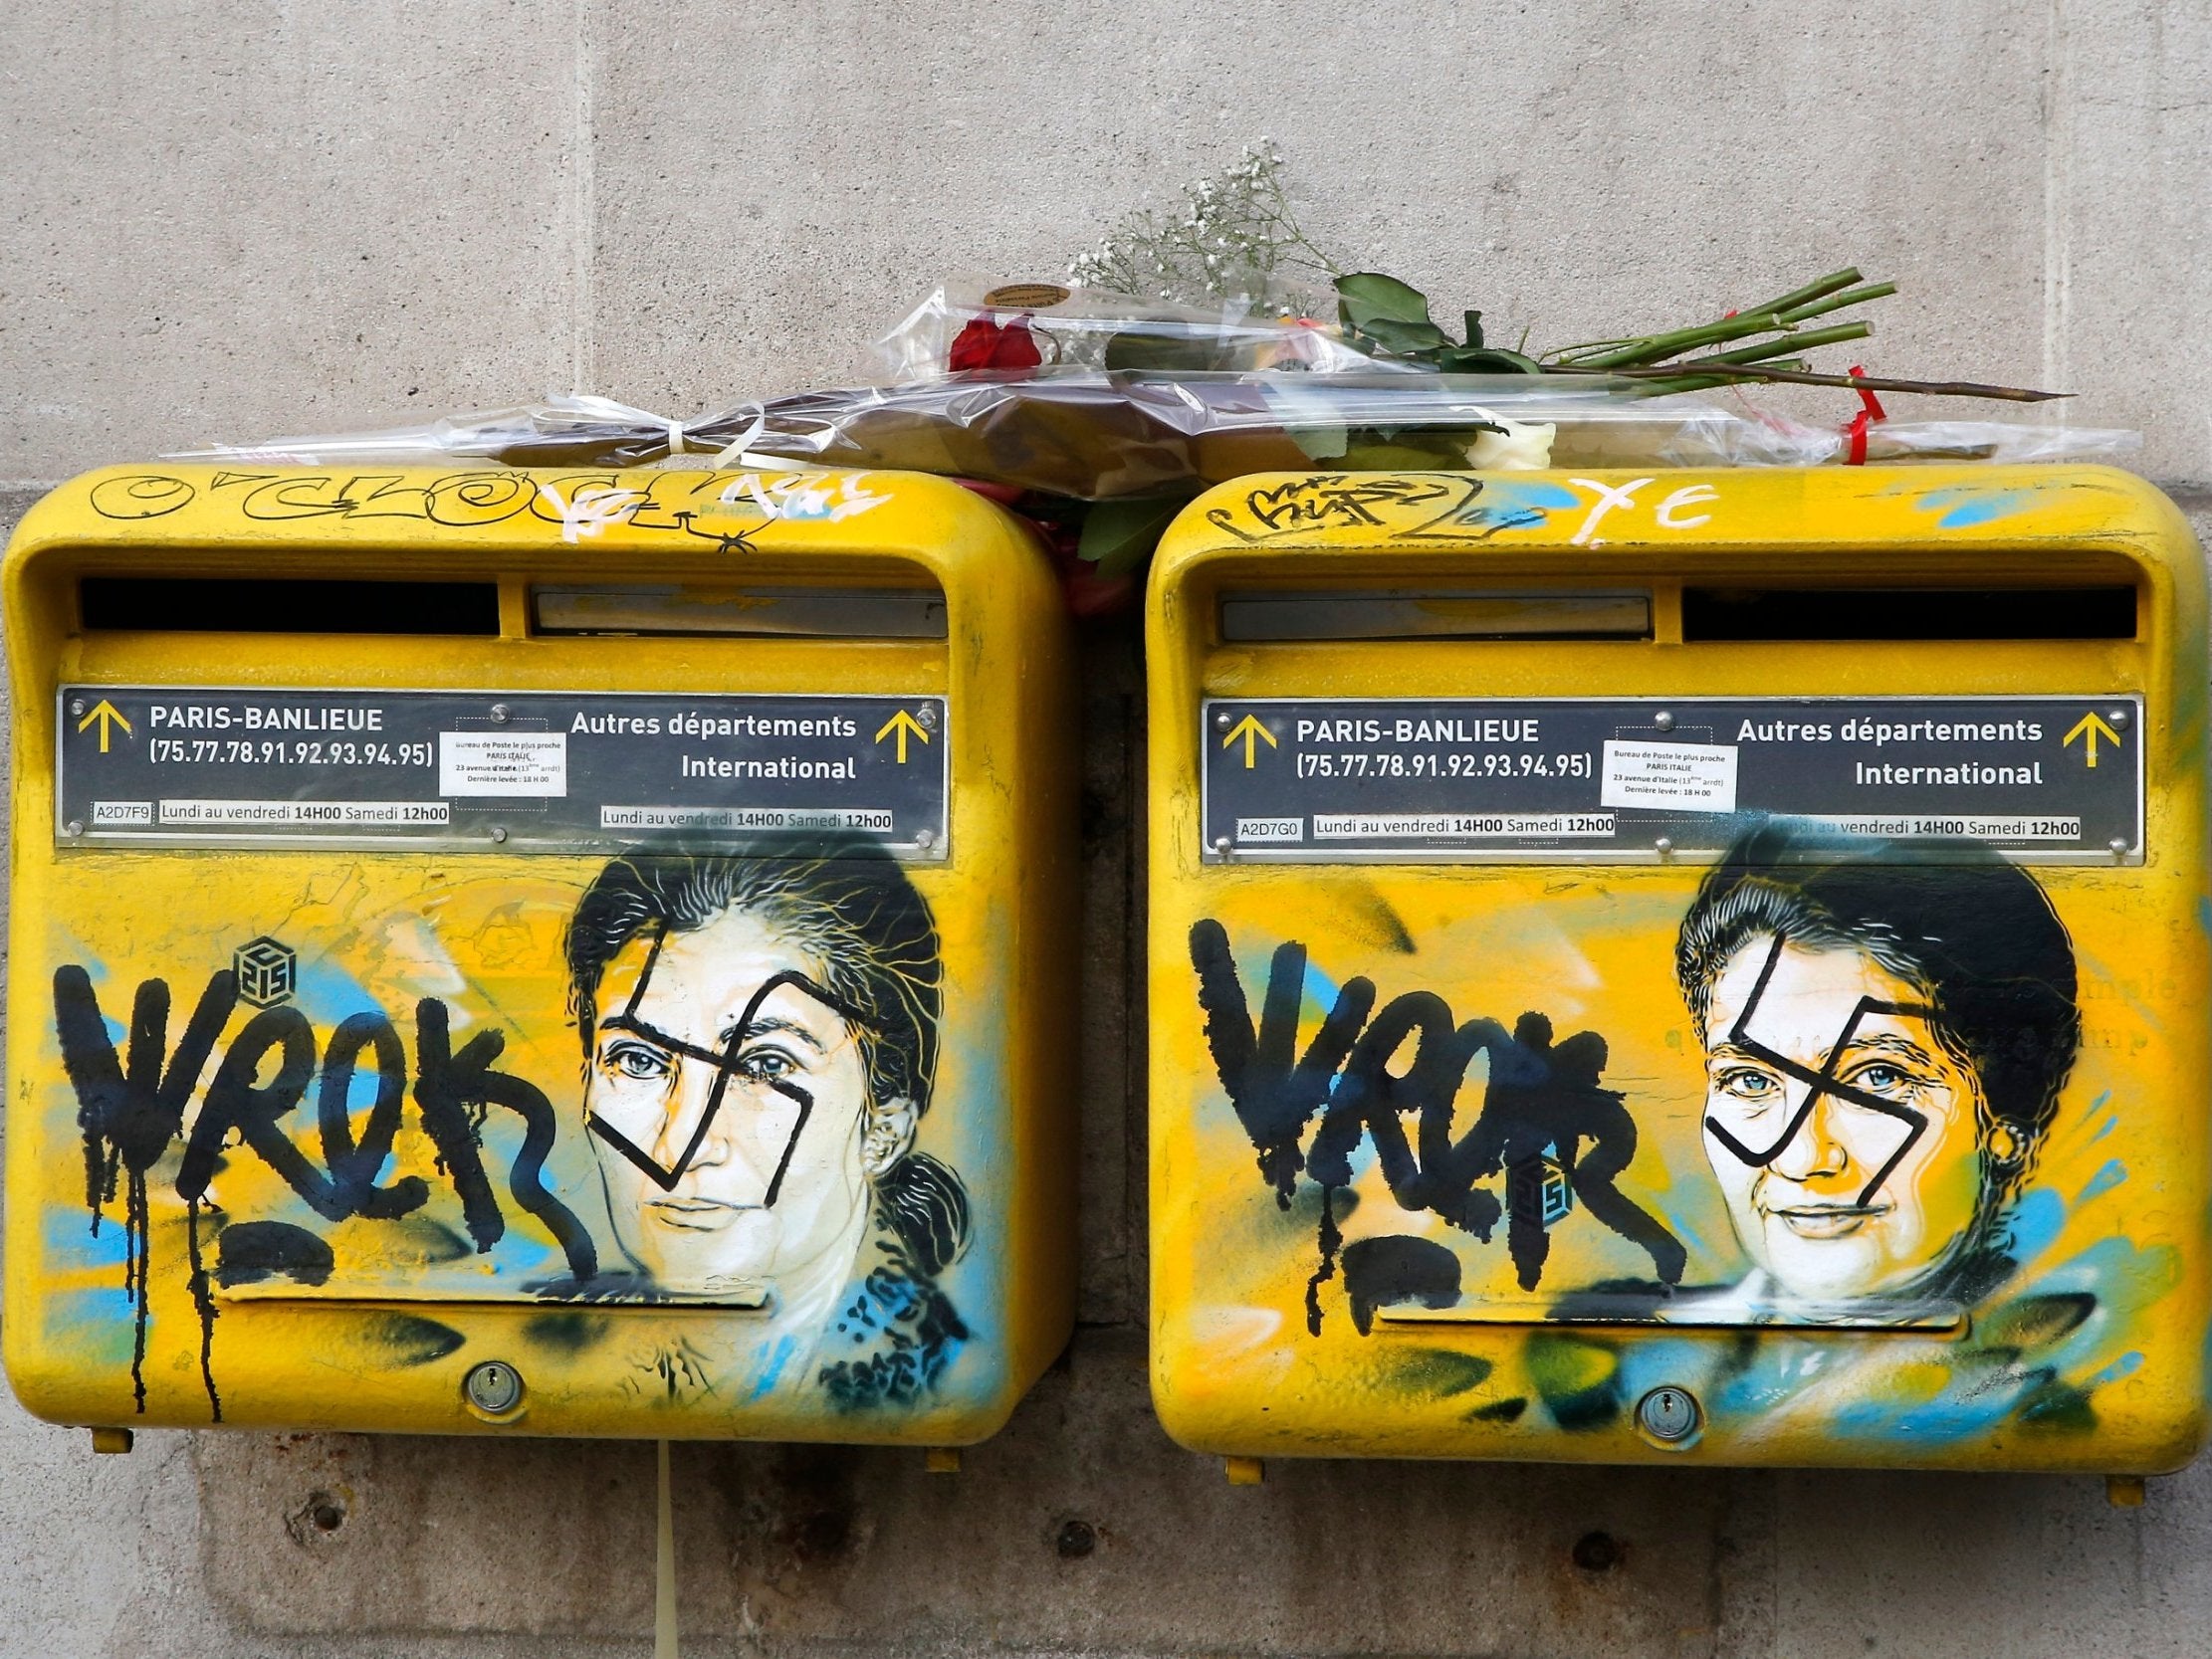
1186, 351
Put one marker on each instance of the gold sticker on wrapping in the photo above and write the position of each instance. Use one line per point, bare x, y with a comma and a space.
1026, 297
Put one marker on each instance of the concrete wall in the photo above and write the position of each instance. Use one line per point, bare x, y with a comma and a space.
229, 220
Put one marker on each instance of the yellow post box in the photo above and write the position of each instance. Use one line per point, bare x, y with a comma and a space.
565, 953
1686, 965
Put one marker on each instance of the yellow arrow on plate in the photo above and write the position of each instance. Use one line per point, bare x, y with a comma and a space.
1249, 728
2089, 728
904, 724
108, 717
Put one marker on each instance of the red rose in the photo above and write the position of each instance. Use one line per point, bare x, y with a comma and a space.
987, 345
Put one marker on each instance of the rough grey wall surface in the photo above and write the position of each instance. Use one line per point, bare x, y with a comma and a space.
233, 219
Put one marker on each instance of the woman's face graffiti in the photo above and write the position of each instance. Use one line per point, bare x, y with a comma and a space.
729, 1100
1843, 1134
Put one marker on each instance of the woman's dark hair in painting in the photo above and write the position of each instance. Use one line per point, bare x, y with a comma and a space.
849, 907
1974, 934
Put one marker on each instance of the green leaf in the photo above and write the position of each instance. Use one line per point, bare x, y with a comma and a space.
1420, 452
1487, 360
1407, 340
1137, 347
1321, 443
1474, 331
1366, 297
1119, 535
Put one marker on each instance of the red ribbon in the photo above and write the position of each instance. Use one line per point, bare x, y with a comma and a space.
1855, 431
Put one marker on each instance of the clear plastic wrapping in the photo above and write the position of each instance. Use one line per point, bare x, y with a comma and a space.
966, 324
560, 431
1888, 442
1097, 435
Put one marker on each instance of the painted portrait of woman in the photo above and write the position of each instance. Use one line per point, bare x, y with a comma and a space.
1885, 1046
760, 1042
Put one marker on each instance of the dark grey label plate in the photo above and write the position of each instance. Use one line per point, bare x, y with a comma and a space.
2053, 779
537, 771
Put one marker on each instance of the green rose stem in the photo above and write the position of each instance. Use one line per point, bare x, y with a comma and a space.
1836, 302
1815, 298
1817, 289
1786, 350
1789, 345
1727, 373
1653, 348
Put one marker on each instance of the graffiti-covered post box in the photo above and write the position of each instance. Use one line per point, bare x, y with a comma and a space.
1698, 966
571, 953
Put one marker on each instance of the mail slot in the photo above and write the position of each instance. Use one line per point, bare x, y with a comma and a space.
562, 953
1695, 966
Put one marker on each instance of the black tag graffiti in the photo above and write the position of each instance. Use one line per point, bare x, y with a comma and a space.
127, 1119
131, 1109
1543, 1100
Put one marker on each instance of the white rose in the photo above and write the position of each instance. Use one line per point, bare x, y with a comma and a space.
1523, 447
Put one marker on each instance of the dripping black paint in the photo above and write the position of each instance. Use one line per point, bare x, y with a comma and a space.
130, 1108
1543, 1100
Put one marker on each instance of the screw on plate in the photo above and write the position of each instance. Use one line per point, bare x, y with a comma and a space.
1668, 1413
498, 832
77, 705
2118, 845
72, 828
1221, 721
928, 715
500, 713
494, 1387
1664, 845
1221, 845
2117, 717
925, 839
1664, 720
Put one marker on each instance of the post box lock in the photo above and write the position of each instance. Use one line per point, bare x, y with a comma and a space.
467, 974
1668, 1414
1738, 986
494, 1387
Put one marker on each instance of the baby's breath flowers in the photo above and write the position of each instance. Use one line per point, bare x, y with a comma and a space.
1235, 238
1237, 241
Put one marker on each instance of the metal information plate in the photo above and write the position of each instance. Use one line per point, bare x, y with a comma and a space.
2052, 780
538, 771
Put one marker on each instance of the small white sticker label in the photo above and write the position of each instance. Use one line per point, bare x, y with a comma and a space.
1671, 777
1270, 829
502, 763
122, 812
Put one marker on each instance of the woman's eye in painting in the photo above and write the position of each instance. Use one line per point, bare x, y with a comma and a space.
765, 1065
1883, 1077
635, 1063
1748, 1084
